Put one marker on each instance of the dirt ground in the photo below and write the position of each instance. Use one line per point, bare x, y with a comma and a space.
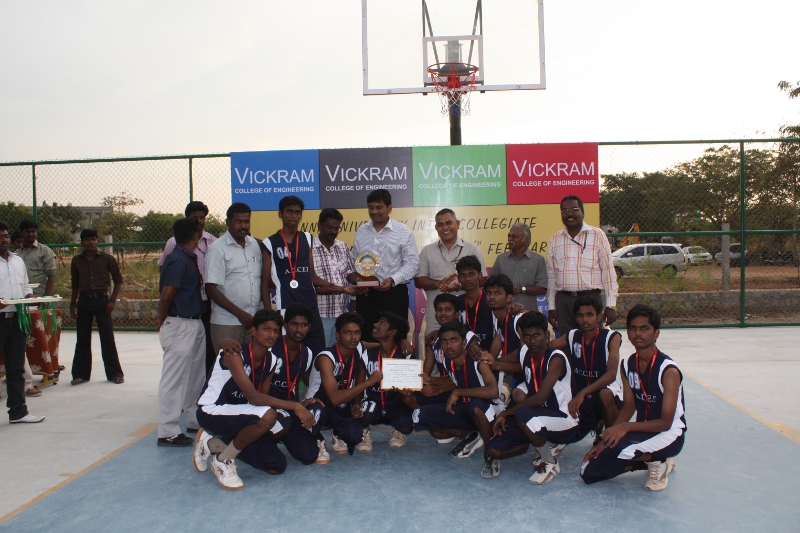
709, 278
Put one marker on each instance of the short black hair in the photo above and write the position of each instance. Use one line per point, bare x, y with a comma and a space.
380, 195
583, 301
267, 315
330, 212
28, 224
237, 207
348, 318
88, 233
396, 322
3, 226
454, 325
196, 205
184, 229
469, 262
644, 310
14, 235
572, 197
502, 281
532, 319
287, 201
446, 297
298, 309
446, 211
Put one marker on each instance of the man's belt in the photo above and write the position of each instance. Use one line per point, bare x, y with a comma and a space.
195, 317
580, 293
94, 294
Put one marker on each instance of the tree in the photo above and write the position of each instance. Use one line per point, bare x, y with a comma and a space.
12, 214
156, 226
64, 219
119, 223
788, 163
215, 225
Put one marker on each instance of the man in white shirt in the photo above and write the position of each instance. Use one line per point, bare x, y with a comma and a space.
394, 244
13, 284
233, 278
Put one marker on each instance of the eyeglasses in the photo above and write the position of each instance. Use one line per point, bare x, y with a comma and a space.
571, 210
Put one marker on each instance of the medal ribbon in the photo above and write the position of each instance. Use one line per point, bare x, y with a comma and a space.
641, 381
291, 384
253, 368
466, 312
292, 269
533, 373
341, 366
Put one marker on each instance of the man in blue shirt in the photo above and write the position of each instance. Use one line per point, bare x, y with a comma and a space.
182, 336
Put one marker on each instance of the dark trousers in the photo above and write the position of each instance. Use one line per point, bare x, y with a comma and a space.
88, 309
564, 315
12, 341
368, 306
211, 355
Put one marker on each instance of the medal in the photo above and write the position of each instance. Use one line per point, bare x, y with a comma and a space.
294, 284
292, 268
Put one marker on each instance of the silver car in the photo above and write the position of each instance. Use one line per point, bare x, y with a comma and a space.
697, 255
650, 258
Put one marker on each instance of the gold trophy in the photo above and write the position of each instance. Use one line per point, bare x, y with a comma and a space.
367, 265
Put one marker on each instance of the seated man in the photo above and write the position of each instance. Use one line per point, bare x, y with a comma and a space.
539, 414
475, 313
292, 363
594, 354
379, 405
469, 412
234, 409
652, 388
338, 380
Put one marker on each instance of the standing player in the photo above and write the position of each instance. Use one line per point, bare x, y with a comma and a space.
475, 312
594, 354
540, 414
236, 411
468, 413
379, 405
653, 390
338, 379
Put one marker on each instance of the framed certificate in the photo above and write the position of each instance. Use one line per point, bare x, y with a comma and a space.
401, 373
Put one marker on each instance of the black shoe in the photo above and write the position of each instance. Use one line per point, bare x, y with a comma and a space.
192, 430
179, 440
467, 446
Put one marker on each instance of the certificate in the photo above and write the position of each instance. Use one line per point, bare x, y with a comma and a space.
401, 373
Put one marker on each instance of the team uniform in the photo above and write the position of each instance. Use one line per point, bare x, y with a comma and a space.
435, 416
590, 363
648, 393
507, 331
381, 405
290, 262
478, 319
440, 363
223, 410
338, 417
299, 441
552, 418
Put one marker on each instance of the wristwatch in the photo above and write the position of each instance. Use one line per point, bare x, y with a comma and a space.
523, 288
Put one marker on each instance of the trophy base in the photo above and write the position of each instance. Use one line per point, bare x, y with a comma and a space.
368, 281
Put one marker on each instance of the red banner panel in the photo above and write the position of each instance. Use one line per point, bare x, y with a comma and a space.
545, 173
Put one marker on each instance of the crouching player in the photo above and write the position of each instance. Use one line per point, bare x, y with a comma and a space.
338, 379
468, 413
595, 359
653, 389
539, 415
237, 413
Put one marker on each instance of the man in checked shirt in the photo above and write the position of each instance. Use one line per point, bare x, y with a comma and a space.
579, 263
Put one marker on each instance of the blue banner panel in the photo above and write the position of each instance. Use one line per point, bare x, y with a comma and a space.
347, 176
261, 179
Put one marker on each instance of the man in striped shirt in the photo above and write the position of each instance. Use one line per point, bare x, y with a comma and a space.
579, 263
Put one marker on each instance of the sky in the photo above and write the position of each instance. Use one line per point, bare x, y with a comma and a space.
84, 79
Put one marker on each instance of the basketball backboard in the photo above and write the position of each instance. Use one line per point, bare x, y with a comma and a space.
401, 39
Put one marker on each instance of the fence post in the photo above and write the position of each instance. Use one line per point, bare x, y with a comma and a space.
191, 182
34, 211
743, 245
725, 250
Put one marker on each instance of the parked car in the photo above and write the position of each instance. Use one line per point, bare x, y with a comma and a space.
697, 255
650, 258
736, 255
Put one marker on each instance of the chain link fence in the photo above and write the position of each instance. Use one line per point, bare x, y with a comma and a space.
678, 213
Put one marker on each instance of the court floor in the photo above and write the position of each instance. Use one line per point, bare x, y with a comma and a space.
93, 465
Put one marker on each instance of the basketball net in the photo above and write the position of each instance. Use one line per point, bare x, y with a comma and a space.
454, 82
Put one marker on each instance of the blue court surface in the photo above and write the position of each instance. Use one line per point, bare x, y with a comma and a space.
734, 474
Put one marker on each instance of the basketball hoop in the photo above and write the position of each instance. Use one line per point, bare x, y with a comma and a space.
454, 82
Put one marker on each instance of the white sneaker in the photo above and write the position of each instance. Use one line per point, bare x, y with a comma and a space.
657, 473
339, 446
324, 457
201, 451
27, 419
467, 446
557, 449
398, 440
366, 444
448, 440
226, 473
544, 472
491, 467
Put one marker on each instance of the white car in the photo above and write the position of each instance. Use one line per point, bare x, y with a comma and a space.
650, 258
697, 255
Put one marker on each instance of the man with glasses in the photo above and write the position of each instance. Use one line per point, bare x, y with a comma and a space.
579, 263
332, 262
437, 263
